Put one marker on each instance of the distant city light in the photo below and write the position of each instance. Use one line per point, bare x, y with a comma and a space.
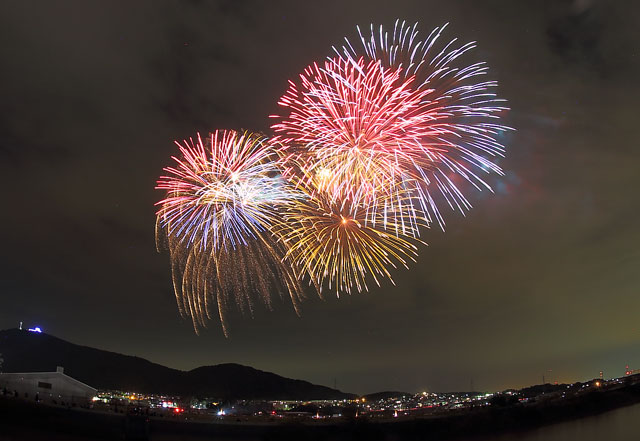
36, 329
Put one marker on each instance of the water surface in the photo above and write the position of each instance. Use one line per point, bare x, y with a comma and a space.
617, 425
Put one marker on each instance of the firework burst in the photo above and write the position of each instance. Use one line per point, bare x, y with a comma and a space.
397, 110
339, 242
355, 125
222, 199
371, 143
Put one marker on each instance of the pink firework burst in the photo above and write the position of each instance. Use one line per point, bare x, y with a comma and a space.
398, 111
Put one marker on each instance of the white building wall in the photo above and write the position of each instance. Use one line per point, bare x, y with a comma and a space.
46, 386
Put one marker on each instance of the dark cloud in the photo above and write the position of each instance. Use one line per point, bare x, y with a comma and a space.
540, 275
587, 34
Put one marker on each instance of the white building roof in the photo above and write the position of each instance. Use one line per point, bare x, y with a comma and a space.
45, 375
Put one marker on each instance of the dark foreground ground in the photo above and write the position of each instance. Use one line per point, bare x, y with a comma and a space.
25, 421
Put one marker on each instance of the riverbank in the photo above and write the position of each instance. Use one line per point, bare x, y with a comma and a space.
26, 421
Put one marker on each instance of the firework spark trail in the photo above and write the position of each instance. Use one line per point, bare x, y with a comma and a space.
406, 103
222, 200
222, 196
340, 243
467, 109
372, 142
346, 120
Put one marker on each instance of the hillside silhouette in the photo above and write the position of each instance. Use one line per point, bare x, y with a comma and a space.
32, 352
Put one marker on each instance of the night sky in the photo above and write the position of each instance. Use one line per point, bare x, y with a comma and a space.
541, 277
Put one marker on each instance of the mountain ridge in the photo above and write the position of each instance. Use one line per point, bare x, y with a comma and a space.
25, 351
